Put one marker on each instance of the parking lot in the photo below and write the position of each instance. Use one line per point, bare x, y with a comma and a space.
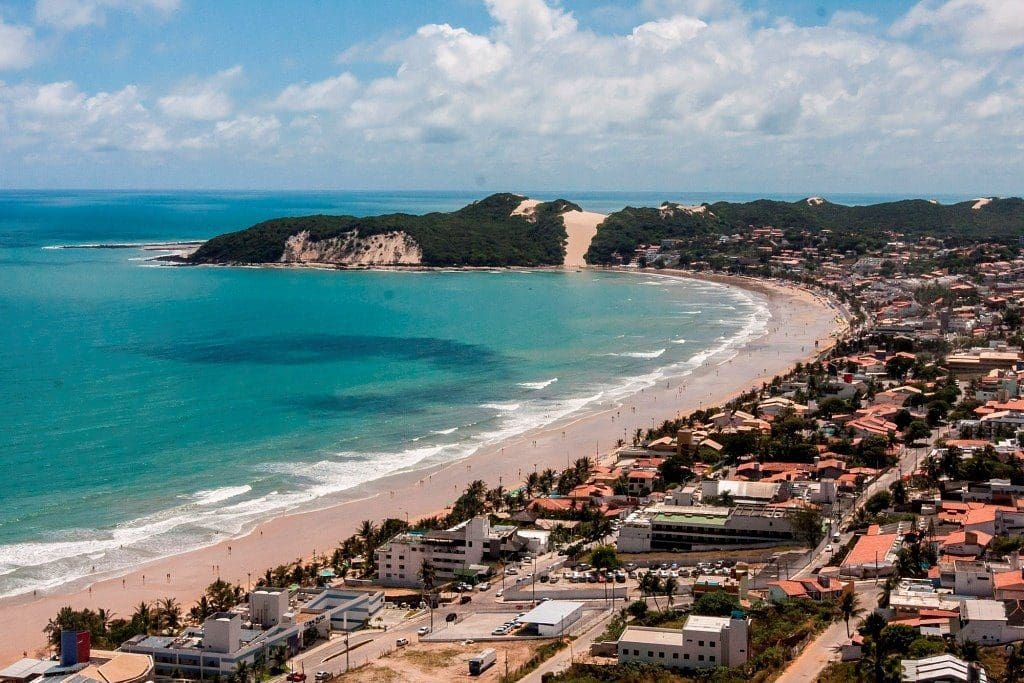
476, 626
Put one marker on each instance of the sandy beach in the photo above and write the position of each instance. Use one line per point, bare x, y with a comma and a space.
799, 319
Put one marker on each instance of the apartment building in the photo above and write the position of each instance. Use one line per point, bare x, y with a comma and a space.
453, 553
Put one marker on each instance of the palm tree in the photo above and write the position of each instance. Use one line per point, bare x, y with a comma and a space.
368, 534
170, 613
547, 480
638, 437
496, 497
532, 483
200, 610
849, 607
143, 616
280, 657
428, 577
242, 672
650, 584
669, 587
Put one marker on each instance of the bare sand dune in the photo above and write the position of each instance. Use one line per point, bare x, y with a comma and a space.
581, 227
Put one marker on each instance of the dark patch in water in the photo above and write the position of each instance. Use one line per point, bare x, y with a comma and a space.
306, 349
403, 402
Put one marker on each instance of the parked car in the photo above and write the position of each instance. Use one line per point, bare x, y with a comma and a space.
465, 600
451, 616
401, 642
322, 676
296, 677
553, 579
499, 594
423, 630
484, 587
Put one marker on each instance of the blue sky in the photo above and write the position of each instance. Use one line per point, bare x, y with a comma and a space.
760, 95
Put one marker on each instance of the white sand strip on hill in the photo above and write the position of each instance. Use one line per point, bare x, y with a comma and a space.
978, 203
581, 226
526, 207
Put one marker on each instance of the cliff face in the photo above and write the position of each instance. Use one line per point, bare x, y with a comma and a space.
351, 249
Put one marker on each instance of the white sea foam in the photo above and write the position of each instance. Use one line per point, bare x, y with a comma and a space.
538, 385
445, 432
639, 354
678, 341
503, 407
218, 495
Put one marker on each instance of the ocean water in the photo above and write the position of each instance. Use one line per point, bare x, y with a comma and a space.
148, 408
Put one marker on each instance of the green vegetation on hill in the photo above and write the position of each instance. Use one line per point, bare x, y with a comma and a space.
856, 228
483, 233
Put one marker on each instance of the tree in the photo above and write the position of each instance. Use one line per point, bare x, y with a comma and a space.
604, 557
902, 419
807, 523
916, 431
637, 609
242, 672
532, 483
669, 586
899, 492
849, 608
878, 502
368, 535
650, 584
280, 657
716, 604
170, 613
428, 578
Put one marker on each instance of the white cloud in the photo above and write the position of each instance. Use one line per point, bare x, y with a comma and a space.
668, 33
57, 116
331, 93
17, 46
73, 14
202, 100
978, 25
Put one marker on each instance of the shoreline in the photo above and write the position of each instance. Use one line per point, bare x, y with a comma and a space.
423, 492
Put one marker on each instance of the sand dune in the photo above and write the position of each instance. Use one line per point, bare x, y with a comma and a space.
581, 227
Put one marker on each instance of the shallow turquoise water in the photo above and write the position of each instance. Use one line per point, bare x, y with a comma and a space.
153, 408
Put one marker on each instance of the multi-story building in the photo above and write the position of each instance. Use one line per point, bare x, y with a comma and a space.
669, 527
250, 633
702, 643
453, 553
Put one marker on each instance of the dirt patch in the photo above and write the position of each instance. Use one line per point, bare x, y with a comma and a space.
430, 662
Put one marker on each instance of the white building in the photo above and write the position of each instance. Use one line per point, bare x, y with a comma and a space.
941, 669
703, 642
553, 618
674, 528
250, 633
984, 622
456, 552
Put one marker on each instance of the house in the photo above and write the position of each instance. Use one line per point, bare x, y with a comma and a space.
984, 622
642, 482
702, 643
815, 588
941, 669
874, 554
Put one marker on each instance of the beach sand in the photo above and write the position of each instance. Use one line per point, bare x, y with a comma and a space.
799, 318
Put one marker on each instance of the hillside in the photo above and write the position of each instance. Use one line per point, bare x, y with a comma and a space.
853, 227
489, 232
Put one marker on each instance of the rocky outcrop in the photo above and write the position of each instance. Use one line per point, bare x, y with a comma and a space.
351, 249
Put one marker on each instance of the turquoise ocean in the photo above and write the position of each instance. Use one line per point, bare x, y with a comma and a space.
149, 409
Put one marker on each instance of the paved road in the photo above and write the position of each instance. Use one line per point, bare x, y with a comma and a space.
825, 648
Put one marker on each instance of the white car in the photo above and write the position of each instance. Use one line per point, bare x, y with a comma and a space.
828, 548
423, 630
499, 594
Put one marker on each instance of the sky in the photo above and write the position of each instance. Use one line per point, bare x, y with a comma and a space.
911, 97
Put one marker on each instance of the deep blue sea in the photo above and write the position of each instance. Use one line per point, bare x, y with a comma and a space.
148, 409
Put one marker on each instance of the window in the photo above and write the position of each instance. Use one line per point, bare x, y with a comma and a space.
686, 655
675, 655
700, 657
636, 653
650, 654
711, 644
711, 658
700, 643
661, 655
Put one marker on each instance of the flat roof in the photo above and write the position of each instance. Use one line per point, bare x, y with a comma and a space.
692, 517
652, 636
23, 668
984, 610
551, 613
701, 623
